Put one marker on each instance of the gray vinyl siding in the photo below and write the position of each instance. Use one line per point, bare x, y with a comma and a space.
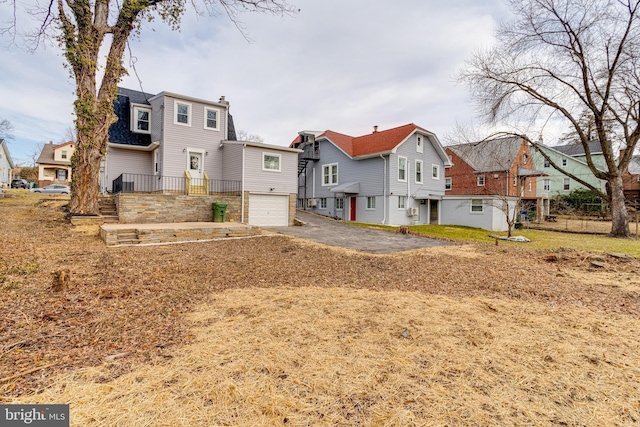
156, 129
121, 161
456, 210
258, 180
232, 162
177, 138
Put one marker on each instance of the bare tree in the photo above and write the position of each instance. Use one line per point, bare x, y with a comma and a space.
6, 129
35, 153
69, 135
83, 28
243, 135
562, 58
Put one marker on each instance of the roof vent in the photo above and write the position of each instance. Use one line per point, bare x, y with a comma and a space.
375, 129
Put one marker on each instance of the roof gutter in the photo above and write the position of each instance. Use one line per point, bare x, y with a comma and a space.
149, 147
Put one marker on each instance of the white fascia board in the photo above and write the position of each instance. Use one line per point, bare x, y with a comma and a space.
261, 145
149, 147
189, 98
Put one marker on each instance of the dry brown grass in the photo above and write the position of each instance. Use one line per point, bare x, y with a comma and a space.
315, 356
279, 331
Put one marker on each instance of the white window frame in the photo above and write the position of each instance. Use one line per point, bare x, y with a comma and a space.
435, 171
546, 184
448, 184
176, 103
339, 204
419, 170
566, 184
402, 202
546, 163
371, 203
480, 180
420, 144
217, 111
63, 154
404, 170
265, 168
472, 206
327, 171
323, 203
134, 118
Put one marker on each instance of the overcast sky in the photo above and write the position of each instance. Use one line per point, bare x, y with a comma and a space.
344, 65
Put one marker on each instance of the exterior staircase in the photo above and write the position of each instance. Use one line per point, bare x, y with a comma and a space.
108, 209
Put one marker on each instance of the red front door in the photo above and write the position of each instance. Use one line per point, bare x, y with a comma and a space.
352, 209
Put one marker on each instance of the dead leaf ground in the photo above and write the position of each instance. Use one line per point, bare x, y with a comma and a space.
253, 332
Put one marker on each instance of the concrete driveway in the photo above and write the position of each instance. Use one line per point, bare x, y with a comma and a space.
330, 232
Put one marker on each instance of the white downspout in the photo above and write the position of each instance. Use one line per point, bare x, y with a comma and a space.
384, 190
242, 202
313, 183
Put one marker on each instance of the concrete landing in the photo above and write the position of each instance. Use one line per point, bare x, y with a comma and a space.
135, 234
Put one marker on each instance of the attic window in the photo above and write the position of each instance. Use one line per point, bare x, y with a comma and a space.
525, 158
141, 120
64, 154
419, 146
480, 180
564, 162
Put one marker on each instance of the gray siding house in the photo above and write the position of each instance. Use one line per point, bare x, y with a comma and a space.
170, 143
394, 177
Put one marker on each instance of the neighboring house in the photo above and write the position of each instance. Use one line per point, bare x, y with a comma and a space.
571, 159
489, 179
577, 152
54, 163
170, 143
395, 176
631, 181
6, 165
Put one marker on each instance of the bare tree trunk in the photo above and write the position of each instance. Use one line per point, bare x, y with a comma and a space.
619, 214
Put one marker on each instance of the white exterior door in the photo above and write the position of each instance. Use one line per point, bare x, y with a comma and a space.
195, 160
268, 210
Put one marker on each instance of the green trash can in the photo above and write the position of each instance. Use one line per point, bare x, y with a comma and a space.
219, 211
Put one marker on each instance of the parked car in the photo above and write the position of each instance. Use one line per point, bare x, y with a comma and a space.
20, 183
53, 189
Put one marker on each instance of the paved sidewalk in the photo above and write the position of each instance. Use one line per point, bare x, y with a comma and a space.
336, 233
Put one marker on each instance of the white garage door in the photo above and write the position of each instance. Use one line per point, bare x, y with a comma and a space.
267, 209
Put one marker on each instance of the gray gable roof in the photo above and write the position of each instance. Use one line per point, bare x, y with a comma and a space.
578, 149
47, 156
489, 156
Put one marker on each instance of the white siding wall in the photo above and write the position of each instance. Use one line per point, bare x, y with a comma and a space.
258, 180
177, 138
456, 210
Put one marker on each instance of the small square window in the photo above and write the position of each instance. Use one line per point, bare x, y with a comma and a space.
480, 180
271, 162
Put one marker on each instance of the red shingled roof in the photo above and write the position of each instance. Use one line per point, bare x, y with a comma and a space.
376, 142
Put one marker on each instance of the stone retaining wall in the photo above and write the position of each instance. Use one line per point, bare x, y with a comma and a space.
144, 208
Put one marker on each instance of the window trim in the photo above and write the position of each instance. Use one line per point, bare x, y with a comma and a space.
448, 182
341, 207
403, 170
546, 184
279, 156
480, 178
134, 118
371, 206
217, 111
403, 205
436, 169
421, 163
322, 204
566, 184
472, 206
420, 144
329, 174
63, 154
175, 113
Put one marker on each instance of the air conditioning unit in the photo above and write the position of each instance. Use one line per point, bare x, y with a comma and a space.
412, 211
312, 203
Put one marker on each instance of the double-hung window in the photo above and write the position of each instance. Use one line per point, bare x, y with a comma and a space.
211, 118
480, 180
476, 205
141, 119
402, 202
447, 183
182, 113
371, 202
323, 203
330, 174
547, 185
339, 204
566, 184
435, 171
418, 171
402, 168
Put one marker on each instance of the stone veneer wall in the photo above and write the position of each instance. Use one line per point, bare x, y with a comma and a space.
149, 208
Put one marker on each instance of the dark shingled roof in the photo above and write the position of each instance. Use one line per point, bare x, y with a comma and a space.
578, 149
231, 132
120, 132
